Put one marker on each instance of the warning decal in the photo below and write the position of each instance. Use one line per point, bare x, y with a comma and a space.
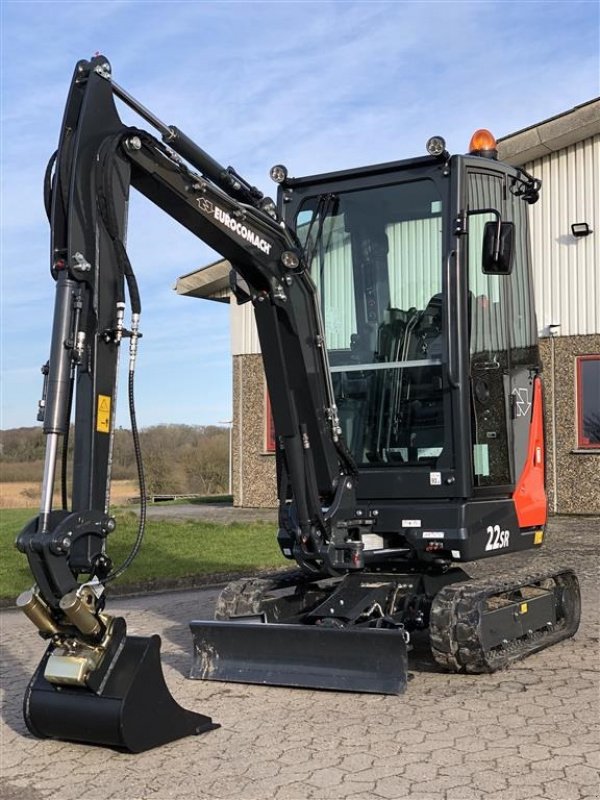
103, 415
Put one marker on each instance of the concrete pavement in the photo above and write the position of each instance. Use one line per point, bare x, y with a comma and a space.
530, 732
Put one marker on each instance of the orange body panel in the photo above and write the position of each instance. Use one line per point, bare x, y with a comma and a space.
530, 492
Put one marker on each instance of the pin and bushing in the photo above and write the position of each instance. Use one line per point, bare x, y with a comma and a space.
79, 614
37, 611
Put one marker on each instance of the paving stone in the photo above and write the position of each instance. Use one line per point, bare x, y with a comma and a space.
392, 788
470, 744
583, 775
292, 791
489, 781
533, 752
514, 793
387, 769
356, 763
437, 787
326, 777
593, 759
463, 793
523, 734
562, 790
362, 796
447, 757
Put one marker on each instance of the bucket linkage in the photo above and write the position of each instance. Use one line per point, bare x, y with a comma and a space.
97, 685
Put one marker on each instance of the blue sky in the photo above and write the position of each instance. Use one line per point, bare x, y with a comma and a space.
315, 85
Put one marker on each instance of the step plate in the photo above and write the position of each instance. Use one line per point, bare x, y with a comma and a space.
311, 656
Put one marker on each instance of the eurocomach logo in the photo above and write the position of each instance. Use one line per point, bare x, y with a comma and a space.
241, 230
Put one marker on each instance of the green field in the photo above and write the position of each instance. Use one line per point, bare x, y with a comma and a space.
171, 550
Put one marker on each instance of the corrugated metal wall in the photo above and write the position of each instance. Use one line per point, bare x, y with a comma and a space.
418, 245
566, 269
244, 336
337, 291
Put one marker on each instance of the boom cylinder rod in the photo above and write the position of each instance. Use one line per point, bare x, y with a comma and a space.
176, 139
48, 480
187, 148
56, 420
141, 110
59, 370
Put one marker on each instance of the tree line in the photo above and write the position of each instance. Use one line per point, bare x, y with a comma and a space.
178, 459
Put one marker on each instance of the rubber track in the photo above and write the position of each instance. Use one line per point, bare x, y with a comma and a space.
455, 618
242, 597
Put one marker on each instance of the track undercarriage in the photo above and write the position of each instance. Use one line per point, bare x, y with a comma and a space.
352, 633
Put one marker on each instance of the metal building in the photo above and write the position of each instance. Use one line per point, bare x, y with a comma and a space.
565, 225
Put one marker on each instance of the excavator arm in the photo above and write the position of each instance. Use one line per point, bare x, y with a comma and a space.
269, 270
97, 160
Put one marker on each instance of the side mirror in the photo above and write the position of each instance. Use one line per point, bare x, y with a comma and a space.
498, 247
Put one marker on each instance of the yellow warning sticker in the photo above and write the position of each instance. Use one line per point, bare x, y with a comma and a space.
538, 537
103, 415
523, 608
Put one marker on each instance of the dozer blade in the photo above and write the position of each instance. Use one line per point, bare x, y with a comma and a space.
133, 710
311, 656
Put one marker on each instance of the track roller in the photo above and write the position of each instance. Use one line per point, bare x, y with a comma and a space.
485, 625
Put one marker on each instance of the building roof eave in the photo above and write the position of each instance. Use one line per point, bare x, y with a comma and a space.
209, 283
551, 135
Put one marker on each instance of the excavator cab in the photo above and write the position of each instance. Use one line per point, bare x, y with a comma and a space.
433, 359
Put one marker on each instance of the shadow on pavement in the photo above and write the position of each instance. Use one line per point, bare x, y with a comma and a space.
14, 682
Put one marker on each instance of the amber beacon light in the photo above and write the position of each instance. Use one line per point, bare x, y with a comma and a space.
483, 143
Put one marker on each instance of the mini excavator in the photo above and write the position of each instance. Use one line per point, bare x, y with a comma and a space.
394, 307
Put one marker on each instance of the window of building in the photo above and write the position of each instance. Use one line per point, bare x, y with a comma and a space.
270, 441
588, 402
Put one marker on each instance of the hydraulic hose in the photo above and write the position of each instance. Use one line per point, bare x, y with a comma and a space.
142, 484
48, 185
106, 172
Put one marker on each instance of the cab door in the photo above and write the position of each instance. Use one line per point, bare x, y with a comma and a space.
488, 314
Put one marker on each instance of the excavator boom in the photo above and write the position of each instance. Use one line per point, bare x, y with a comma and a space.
91, 667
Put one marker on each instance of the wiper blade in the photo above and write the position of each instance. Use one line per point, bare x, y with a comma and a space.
326, 206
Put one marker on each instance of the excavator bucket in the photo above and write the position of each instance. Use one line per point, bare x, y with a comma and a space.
131, 710
311, 656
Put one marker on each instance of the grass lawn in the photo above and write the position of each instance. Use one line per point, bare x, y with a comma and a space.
171, 550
